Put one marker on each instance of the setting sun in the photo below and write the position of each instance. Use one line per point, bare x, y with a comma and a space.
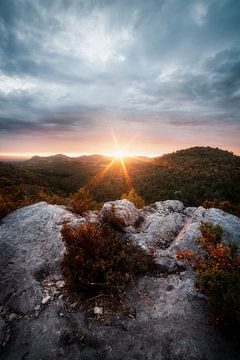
119, 154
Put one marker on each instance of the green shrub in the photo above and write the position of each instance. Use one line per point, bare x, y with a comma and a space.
98, 257
222, 289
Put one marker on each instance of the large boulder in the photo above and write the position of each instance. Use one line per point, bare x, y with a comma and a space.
122, 213
161, 223
31, 250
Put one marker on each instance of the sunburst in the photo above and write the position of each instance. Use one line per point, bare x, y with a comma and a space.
117, 157
119, 154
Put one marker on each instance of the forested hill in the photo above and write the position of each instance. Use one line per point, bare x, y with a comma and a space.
192, 176
200, 158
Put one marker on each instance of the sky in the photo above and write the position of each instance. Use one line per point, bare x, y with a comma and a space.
157, 75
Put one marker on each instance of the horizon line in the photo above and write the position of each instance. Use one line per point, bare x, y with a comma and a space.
26, 156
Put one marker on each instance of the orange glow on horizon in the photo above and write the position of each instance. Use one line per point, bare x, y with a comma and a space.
26, 156
145, 150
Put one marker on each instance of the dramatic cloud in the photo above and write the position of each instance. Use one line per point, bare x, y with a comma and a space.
166, 70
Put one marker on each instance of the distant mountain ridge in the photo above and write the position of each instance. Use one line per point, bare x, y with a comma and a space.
57, 157
91, 157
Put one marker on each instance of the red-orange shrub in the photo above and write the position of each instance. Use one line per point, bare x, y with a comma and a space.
99, 257
81, 201
218, 274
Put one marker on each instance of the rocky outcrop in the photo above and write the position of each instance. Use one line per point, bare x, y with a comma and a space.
31, 250
38, 319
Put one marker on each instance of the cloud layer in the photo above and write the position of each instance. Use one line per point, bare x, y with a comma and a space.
166, 70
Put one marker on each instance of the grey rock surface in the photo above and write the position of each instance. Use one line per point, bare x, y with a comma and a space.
162, 222
31, 250
46, 336
187, 237
170, 317
170, 323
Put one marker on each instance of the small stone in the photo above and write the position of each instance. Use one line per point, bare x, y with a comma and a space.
37, 307
60, 284
46, 299
98, 310
61, 314
12, 316
60, 296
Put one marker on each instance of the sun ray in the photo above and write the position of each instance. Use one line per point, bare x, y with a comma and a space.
99, 177
115, 139
118, 156
126, 175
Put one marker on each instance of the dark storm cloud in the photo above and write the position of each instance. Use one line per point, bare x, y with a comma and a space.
59, 121
64, 64
13, 125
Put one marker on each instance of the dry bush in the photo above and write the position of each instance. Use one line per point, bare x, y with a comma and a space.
225, 205
81, 201
51, 198
6, 206
218, 275
99, 257
134, 198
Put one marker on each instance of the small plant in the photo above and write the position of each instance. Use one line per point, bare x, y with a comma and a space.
211, 234
185, 255
81, 201
218, 274
134, 198
97, 257
222, 289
